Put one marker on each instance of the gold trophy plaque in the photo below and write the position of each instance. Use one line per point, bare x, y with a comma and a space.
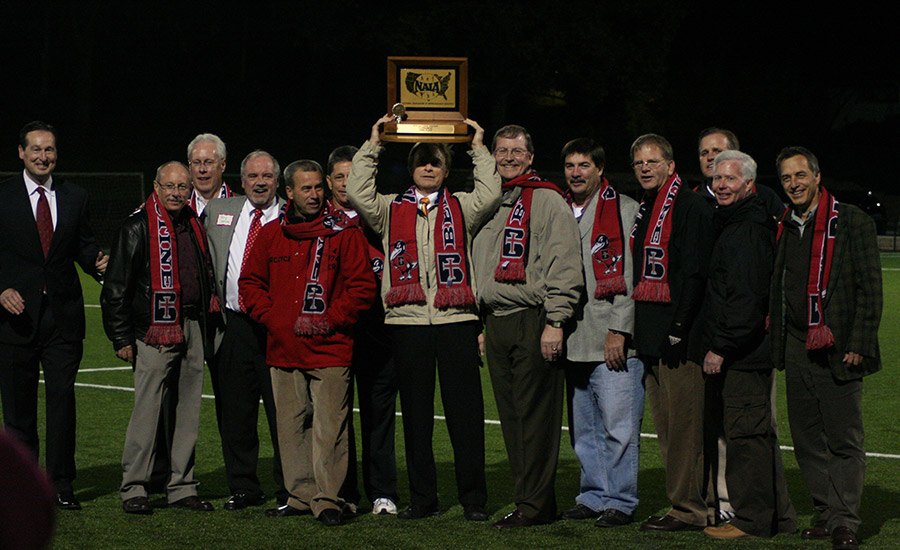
427, 97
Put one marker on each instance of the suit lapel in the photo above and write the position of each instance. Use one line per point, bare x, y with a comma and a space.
840, 246
586, 223
64, 216
21, 208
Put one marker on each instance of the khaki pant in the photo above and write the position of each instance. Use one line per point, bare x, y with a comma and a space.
676, 398
312, 407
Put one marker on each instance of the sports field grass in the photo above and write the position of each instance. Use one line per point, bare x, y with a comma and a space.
104, 407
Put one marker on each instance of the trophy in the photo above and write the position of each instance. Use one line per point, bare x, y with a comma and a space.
427, 97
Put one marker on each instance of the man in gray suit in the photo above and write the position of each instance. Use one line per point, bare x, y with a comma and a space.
242, 375
603, 373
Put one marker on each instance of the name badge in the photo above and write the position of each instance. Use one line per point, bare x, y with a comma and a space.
224, 219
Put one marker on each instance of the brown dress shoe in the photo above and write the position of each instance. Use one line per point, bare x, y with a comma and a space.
726, 531
843, 538
516, 519
816, 532
667, 524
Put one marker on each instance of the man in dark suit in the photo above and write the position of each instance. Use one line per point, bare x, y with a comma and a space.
44, 225
825, 310
242, 375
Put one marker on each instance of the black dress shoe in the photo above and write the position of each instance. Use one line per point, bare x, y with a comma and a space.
475, 513
194, 503
284, 511
667, 524
65, 500
330, 517
580, 511
843, 538
516, 519
241, 500
613, 518
418, 512
817, 532
137, 505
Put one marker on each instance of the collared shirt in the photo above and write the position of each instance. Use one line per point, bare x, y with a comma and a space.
236, 249
34, 195
432, 198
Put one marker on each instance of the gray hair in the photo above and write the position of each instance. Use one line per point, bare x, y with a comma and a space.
748, 165
212, 138
260, 153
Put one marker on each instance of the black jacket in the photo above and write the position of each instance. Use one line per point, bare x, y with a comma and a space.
737, 292
689, 247
125, 298
24, 268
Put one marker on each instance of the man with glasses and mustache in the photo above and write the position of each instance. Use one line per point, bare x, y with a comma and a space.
157, 299
671, 243
529, 278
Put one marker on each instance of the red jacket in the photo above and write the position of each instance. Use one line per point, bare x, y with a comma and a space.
273, 283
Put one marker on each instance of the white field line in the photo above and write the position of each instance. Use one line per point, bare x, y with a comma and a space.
437, 417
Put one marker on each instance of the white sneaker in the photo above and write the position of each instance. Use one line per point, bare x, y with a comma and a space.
384, 506
726, 515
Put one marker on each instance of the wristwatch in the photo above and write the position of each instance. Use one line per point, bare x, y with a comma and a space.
555, 324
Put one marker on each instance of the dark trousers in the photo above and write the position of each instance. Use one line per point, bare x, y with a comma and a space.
454, 347
754, 471
825, 416
375, 377
19, 375
244, 379
529, 396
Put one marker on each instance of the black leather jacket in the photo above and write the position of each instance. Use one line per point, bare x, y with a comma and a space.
125, 298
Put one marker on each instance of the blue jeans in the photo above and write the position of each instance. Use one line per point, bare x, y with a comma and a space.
607, 410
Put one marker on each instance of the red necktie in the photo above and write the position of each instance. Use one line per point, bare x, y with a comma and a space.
255, 225
44, 221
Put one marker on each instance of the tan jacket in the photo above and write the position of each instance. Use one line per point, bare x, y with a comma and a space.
375, 208
593, 317
553, 273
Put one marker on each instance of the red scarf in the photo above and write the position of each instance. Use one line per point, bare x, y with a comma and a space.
224, 193
818, 335
165, 288
514, 250
607, 243
313, 319
653, 285
451, 261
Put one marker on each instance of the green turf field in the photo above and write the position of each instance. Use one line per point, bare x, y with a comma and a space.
104, 407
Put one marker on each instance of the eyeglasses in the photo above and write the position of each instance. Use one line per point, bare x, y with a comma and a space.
652, 163
503, 151
172, 186
209, 163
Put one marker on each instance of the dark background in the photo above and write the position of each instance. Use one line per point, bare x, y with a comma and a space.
128, 85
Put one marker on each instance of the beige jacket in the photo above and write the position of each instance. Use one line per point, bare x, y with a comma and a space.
375, 208
553, 273
593, 317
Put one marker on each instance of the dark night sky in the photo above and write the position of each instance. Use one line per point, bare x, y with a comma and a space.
128, 88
